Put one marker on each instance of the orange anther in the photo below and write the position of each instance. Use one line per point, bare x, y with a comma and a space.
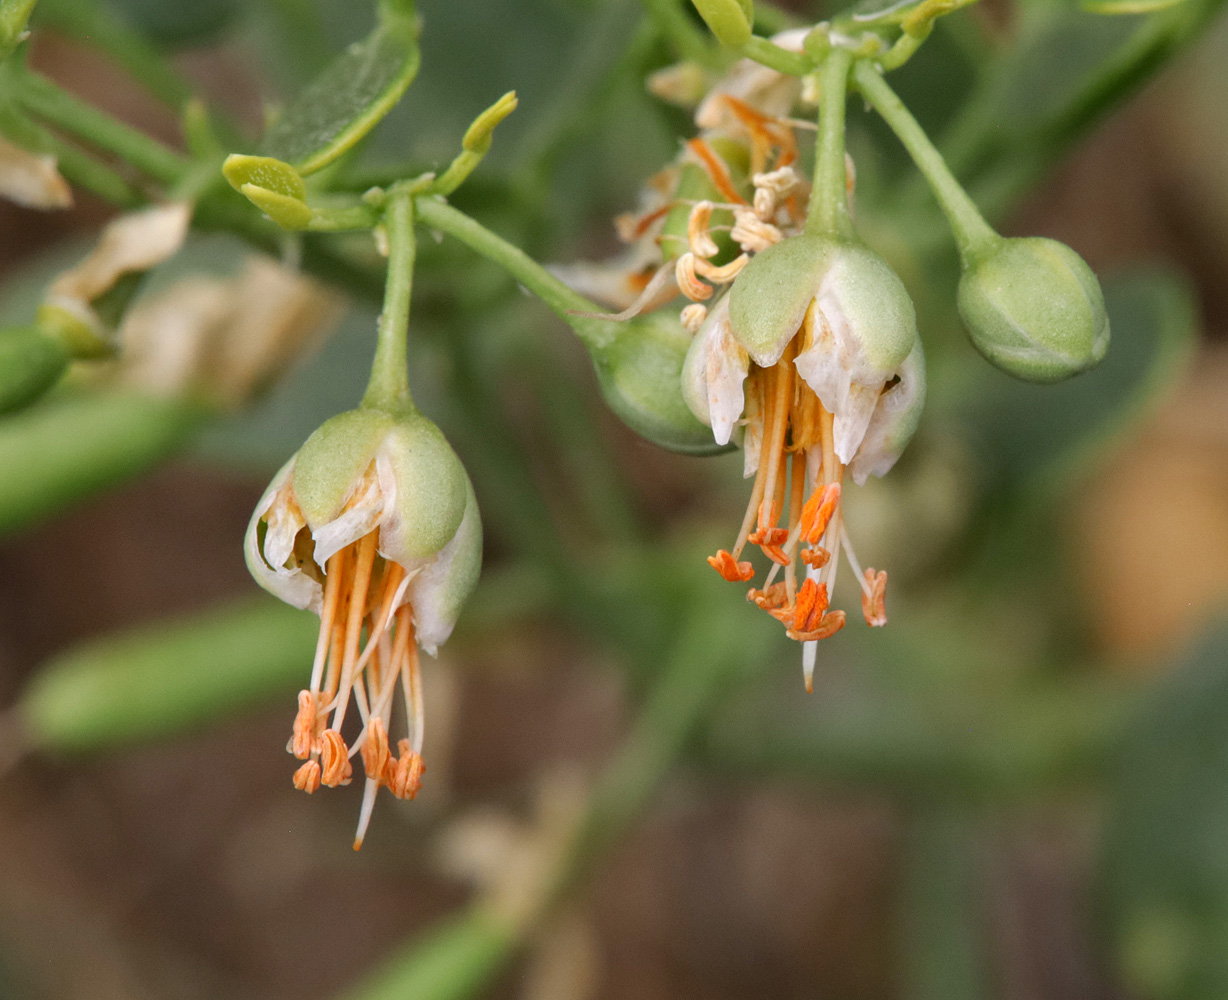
810, 605
334, 760
818, 511
816, 557
771, 597
375, 752
733, 571
770, 541
829, 625
874, 603
307, 777
303, 740
407, 776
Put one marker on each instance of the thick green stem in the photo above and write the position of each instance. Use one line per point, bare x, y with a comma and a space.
829, 210
570, 306
673, 22
57, 107
973, 235
389, 385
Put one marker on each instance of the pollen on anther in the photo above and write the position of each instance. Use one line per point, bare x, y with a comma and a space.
732, 570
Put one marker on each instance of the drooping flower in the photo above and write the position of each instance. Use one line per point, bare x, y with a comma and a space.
813, 353
373, 526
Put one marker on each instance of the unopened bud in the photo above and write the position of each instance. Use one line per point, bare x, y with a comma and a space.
1034, 309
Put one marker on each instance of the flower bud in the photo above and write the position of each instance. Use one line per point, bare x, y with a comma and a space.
1034, 309
30, 364
640, 376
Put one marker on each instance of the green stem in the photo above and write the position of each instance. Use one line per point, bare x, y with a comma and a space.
774, 57
596, 334
973, 235
83, 170
389, 386
46, 100
829, 211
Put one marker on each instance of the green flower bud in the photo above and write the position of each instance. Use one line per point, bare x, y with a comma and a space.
30, 364
1034, 309
640, 376
373, 525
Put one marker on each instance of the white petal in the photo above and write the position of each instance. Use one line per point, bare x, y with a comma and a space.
362, 512
834, 366
438, 592
613, 281
765, 90
895, 420
713, 374
136, 241
290, 584
31, 180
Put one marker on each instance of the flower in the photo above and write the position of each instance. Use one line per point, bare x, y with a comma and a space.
373, 526
813, 353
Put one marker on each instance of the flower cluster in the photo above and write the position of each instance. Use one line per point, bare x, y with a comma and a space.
804, 347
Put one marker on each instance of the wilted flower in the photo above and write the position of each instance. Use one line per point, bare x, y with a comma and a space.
31, 179
814, 354
373, 525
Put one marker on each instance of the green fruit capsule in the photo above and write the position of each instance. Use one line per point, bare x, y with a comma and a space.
1034, 309
30, 364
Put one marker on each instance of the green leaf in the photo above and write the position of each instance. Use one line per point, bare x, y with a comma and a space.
159, 679
177, 24
1164, 872
1127, 6
13, 17
1056, 431
62, 450
348, 99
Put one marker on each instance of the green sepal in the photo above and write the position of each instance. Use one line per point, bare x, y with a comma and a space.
349, 98
30, 364
770, 296
429, 480
287, 212
729, 20
640, 376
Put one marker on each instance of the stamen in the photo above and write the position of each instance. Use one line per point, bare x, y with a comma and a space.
407, 778
732, 570
303, 741
688, 282
307, 777
693, 316
716, 170
698, 238
818, 512
829, 625
774, 436
874, 604
375, 753
334, 761
353, 627
334, 571
725, 273
752, 233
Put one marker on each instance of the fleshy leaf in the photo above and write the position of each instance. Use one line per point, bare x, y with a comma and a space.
348, 99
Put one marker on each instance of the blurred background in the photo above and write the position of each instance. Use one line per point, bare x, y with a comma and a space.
1017, 790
